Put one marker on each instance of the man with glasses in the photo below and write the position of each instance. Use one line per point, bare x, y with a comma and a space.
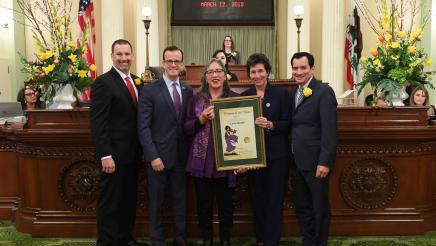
161, 113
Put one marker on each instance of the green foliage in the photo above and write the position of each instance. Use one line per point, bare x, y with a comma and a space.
396, 61
61, 61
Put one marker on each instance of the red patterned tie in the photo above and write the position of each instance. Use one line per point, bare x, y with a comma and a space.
131, 91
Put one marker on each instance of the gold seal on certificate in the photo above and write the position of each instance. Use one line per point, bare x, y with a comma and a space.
238, 142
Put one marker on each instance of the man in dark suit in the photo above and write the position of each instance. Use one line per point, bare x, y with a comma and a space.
113, 125
313, 137
161, 113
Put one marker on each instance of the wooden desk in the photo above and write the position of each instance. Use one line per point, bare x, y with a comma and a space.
384, 182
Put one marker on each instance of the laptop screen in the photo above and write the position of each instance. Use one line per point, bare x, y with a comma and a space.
10, 109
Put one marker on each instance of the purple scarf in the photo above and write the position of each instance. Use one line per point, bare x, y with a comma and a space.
197, 158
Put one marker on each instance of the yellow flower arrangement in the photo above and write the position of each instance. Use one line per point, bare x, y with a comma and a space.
395, 61
307, 92
59, 59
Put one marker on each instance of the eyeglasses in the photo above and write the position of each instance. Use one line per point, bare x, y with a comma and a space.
217, 71
32, 94
229, 40
175, 62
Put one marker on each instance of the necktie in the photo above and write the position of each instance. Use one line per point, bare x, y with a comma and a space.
176, 99
131, 91
300, 96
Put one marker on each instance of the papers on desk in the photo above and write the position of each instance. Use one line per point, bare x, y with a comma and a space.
15, 119
11, 112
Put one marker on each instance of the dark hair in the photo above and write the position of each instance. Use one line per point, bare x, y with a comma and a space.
21, 97
309, 57
221, 51
233, 44
204, 87
120, 42
218, 51
258, 58
171, 48
412, 96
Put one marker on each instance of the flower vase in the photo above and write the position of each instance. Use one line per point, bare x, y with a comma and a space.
64, 98
399, 97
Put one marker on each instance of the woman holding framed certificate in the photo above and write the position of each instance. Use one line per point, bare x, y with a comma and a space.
201, 165
268, 186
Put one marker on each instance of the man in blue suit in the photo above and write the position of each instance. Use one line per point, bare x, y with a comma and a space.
161, 114
313, 137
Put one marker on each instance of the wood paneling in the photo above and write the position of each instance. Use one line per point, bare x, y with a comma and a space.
384, 181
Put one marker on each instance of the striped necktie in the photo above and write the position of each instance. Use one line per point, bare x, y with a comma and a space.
300, 96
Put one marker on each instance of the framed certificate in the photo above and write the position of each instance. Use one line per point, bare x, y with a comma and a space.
238, 141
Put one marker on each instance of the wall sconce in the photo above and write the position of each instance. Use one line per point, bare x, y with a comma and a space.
148, 74
298, 11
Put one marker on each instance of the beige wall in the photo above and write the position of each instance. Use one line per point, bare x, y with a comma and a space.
127, 19
12, 41
316, 34
282, 18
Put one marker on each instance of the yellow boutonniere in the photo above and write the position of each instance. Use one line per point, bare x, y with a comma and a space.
307, 92
233, 53
228, 76
138, 81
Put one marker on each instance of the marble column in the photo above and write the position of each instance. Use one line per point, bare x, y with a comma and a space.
333, 41
112, 28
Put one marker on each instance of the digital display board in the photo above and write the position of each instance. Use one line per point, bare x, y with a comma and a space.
219, 12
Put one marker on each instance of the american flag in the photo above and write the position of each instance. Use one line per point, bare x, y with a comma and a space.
86, 20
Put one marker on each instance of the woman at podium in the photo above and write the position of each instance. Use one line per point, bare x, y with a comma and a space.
232, 55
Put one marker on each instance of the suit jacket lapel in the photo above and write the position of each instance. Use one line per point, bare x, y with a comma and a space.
122, 85
312, 85
184, 99
266, 100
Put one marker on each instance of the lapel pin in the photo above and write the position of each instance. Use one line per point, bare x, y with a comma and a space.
268, 105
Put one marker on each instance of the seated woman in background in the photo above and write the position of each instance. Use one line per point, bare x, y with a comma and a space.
419, 97
229, 48
221, 55
29, 98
